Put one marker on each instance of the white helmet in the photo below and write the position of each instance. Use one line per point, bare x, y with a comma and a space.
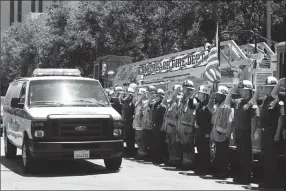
245, 84
160, 92
270, 81
222, 90
204, 89
130, 90
118, 88
133, 85
141, 91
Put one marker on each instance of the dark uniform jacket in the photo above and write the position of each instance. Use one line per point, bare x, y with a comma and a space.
158, 115
269, 117
117, 105
128, 109
243, 114
203, 119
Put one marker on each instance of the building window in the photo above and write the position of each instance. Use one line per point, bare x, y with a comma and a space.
11, 12
19, 10
33, 6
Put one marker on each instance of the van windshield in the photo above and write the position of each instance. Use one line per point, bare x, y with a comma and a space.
66, 93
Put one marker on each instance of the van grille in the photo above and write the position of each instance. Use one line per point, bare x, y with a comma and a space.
68, 129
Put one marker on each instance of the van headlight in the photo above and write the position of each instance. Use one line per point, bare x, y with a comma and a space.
117, 128
38, 129
39, 133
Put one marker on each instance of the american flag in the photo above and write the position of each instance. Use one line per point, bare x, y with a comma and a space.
212, 72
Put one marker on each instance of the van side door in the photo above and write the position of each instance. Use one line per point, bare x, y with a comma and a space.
21, 117
9, 113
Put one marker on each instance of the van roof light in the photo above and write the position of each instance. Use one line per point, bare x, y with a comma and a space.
56, 72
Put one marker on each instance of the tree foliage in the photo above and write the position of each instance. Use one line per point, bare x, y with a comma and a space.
77, 36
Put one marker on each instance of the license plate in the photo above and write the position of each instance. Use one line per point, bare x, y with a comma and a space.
84, 154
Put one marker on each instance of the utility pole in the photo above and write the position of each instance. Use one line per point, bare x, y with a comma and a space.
268, 21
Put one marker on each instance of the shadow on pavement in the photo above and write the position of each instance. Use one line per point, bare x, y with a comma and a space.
56, 168
188, 173
171, 169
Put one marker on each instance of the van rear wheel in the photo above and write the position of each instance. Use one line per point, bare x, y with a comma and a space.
28, 160
9, 149
113, 163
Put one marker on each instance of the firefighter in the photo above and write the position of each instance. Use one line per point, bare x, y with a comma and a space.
116, 99
245, 121
271, 126
158, 149
222, 119
147, 122
128, 113
186, 125
203, 121
170, 126
279, 93
137, 123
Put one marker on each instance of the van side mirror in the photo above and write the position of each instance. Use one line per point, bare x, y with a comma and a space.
15, 103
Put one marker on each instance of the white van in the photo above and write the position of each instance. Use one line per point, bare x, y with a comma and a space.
57, 114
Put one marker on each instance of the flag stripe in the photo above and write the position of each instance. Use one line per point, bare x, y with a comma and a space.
212, 71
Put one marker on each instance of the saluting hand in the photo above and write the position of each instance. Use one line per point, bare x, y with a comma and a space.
276, 137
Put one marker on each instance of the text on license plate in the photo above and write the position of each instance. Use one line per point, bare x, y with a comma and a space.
84, 154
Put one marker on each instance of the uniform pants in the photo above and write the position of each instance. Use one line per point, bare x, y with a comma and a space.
158, 147
221, 159
187, 149
203, 148
146, 139
140, 143
244, 151
172, 147
270, 156
129, 133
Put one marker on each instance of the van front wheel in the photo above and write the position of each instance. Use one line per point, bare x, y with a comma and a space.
28, 160
9, 149
113, 163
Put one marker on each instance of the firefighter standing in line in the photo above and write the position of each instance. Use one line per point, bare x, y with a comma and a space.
137, 122
279, 93
170, 126
116, 100
127, 116
147, 122
203, 120
186, 125
271, 126
158, 149
222, 120
245, 121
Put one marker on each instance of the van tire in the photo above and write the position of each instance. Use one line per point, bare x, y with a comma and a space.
113, 163
9, 149
27, 158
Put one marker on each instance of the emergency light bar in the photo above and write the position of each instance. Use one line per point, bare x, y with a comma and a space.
56, 72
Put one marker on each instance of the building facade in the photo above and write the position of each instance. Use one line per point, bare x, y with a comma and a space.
16, 10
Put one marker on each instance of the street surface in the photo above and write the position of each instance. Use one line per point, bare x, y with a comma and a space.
92, 175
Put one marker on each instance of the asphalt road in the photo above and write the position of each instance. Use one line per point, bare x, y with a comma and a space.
92, 175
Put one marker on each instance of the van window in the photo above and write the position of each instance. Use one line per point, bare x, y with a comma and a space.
13, 92
56, 92
23, 93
